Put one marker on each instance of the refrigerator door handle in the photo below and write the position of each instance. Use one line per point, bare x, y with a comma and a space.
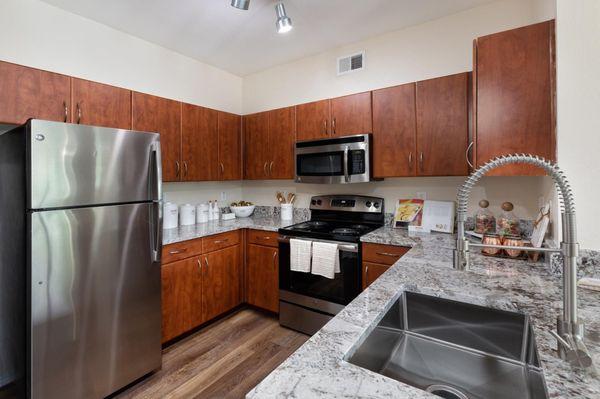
156, 194
155, 180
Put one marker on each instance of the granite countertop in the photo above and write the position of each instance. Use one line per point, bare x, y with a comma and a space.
318, 368
267, 223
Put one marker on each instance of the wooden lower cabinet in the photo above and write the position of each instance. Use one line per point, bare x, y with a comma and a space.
221, 278
262, 271
181, 297
199, 288
371, 272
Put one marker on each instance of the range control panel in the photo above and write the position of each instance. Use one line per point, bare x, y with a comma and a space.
347, 203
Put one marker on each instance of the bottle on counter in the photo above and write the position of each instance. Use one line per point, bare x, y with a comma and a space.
210, 211
508, 223
485, 222
216, 210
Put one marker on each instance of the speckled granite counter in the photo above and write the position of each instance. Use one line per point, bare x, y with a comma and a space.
318, 368
184, 233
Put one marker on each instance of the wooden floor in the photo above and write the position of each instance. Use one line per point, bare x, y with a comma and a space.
223, 360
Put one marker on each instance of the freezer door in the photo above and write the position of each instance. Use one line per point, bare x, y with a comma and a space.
95, 321
76, 165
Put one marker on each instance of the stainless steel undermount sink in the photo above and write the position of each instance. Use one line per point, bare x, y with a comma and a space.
454, 350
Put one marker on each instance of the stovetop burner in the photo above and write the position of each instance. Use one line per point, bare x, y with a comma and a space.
345, 231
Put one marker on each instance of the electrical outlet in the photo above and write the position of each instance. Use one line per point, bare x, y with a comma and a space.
422, 195
223, 196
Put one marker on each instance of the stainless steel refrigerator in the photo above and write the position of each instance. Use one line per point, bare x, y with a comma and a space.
80, 245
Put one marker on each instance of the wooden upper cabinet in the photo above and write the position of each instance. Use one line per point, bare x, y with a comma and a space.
199, 153
32, 93
313, 120
181, 297
351, 114
282, 137
161, 115
230, 146
256, 143
263, 277
221, 282
394, 131
514, 74
98, 104
442, 126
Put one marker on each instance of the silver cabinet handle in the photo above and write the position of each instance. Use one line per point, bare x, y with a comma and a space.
66, 111
178, 251
78, 113
185, 169
271, 167
177, 169
274, 258
467, 154
421, 159
265, 168
199, 265
325, 126
346, 172
410, 160
222, 168
206, 261
333, 126
388, 254
221, 241
366, 272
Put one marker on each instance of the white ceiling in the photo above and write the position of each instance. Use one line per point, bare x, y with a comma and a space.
243, 42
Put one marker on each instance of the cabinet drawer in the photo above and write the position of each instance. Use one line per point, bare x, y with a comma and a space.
181, 250
260, 237
219, 241
383, 254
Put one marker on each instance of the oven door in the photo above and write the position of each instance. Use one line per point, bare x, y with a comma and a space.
341, 290
340, 160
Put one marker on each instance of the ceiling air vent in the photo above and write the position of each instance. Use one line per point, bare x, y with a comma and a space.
351, 63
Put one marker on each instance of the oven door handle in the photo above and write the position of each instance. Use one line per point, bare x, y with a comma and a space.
346, 172
342, 246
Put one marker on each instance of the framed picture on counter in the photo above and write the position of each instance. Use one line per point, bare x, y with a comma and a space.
409, 212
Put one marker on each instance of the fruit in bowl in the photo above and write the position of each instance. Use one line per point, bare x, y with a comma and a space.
242, 209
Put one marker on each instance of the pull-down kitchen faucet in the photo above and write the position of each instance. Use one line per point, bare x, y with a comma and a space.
570, 330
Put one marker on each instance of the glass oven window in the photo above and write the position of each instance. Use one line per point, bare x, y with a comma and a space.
321, 164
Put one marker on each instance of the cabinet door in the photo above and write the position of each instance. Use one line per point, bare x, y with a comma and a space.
181, 297
221, 281
312, 120
394, 131
351, 114
199, 137
442, 126
515, 74
282, 137
263, 277
161, 115
98, 104
32, 93
371, 272
230, 148
256, 146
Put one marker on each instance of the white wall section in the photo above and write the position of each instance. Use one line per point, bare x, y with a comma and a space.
578, 119
38, 35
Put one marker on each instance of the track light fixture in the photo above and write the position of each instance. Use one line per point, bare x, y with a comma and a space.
241, 4
283, 23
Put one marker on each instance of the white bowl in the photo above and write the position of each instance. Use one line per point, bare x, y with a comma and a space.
242, 211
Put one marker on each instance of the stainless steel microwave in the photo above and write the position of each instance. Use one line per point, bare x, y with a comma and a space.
336, 160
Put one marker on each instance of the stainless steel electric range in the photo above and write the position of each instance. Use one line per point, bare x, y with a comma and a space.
307, 301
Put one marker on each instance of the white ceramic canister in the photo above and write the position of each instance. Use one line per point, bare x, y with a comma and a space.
187, 215
202, 213
170, 215
287, 211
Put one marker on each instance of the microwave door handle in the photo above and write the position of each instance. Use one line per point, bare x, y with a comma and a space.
346, 173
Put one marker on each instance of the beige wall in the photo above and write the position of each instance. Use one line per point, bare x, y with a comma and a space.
436, 48
36, 34
578, 105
